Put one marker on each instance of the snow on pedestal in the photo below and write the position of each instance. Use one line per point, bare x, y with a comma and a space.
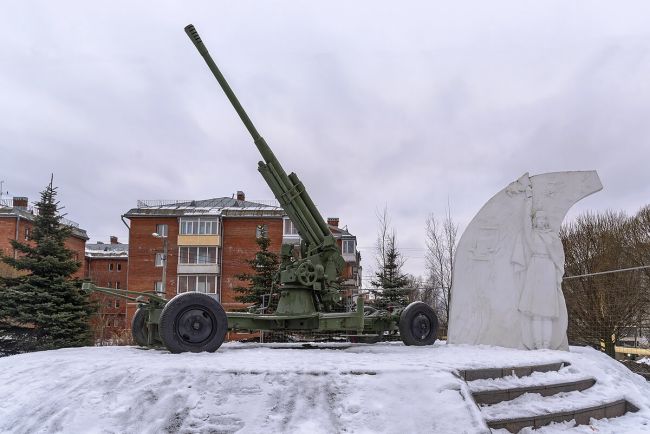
269, 388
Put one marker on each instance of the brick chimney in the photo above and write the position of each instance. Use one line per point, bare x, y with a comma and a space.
241, 195
114, 240
333, 221
20, 203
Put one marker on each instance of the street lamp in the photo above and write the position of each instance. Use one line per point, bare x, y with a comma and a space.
164, 259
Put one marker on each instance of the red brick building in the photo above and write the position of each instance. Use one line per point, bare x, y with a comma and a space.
107, 266
206, 244
16, 219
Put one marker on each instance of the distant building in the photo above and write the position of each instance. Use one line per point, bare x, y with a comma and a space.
107, 266
206, 244
16, 219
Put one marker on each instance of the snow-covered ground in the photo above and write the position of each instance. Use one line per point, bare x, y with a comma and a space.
250, 388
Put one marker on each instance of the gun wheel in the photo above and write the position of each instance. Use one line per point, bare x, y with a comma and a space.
418, 324
193, 322
139, 329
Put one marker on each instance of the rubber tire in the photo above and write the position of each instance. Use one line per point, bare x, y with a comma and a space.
181, 304
410, 314
139, 327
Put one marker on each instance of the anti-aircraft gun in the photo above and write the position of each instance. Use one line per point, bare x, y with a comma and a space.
308, 282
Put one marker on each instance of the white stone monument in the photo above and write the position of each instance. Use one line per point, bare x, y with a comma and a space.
510, 261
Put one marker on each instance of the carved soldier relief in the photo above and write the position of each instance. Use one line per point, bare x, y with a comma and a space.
509, 265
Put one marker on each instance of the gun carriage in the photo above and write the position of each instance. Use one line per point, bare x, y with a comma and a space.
309, 290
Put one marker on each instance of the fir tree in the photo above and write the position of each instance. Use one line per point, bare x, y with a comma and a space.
43, 307
264, 266
390, 281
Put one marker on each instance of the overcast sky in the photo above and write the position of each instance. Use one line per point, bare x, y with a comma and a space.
378, 103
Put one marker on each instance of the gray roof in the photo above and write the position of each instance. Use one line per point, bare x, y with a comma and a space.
101, 250
28, 214
216, 206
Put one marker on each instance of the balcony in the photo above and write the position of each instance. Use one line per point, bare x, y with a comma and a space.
197, 269
199, 240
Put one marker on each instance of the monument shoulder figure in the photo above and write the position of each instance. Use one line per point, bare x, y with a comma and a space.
541, 293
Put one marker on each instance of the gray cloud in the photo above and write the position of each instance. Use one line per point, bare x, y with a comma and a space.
370, 104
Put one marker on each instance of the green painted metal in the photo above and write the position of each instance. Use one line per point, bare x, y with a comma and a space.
320, 267
124, 293
308, 319
310, 293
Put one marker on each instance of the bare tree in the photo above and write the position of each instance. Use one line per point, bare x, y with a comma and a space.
603, 307
383, 238
440, 252
416, 287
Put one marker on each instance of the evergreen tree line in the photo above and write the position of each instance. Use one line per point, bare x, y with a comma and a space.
41, 304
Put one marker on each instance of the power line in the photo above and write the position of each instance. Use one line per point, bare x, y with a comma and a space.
607, 272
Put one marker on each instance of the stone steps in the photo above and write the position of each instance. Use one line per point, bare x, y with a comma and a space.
544, 401
518, 371
489, 397
581, 416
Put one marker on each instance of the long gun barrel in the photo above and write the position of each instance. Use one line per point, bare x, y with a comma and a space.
288, 190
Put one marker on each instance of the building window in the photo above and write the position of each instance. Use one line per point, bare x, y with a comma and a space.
198, 283
109, 284
28, 232
262, 231
159, 260
197, 255
117, 303
119, 267
117, 285
116, 322
158, 287
162, 230
347, 247
110, 266
199, 226
290, 228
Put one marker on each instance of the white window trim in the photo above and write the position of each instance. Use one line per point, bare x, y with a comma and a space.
288, 224
196, 255
161, 262
214, 290
347, 242
196, 224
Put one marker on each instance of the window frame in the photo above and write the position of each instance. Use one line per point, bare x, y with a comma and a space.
191, 282
191, 255
162, 229
199, 226
347, 242
159, 259
287, 223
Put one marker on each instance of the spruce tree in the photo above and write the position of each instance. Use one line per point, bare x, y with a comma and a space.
390, 281
43, 307
261, 280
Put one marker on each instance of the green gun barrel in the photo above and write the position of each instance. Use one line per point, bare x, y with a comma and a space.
288, 190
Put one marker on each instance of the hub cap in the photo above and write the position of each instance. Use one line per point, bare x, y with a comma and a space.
421, 326
195, 325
